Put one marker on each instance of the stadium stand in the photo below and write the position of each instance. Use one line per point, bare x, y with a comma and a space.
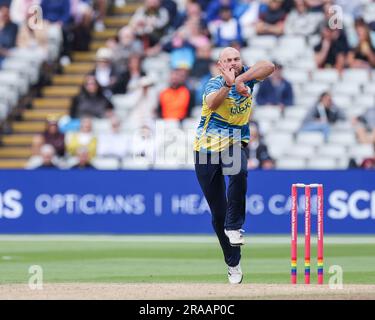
352, 91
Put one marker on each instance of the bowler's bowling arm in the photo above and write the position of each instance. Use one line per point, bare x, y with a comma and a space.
259, 71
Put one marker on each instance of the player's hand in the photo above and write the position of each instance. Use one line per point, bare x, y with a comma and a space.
241, 87
227, 73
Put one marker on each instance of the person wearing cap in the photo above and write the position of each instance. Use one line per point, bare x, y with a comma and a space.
105, 72
146, 102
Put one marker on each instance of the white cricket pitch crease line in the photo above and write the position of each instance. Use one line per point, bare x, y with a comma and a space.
184, 239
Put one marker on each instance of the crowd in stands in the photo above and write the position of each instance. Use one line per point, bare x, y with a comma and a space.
188, 34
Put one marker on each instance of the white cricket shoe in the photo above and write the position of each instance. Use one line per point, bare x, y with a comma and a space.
236, 238
235, 275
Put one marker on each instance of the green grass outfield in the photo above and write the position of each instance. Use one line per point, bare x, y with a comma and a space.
149, 259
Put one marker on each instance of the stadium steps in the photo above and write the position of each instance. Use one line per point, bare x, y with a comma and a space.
42, 114
79, 67
95, 45
79, 56
28, 127
68, 80
105, 34
17, 140
128, 9
51, 103
13, 163
116, 21
56, 98
60, 91
15, 152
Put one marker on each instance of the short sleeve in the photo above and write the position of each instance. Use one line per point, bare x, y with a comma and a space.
213, 85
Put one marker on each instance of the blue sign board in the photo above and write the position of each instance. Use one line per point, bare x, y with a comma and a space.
159, 202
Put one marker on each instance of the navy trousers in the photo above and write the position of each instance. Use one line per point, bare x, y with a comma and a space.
227, 206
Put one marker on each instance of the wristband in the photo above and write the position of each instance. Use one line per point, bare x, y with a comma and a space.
226, 85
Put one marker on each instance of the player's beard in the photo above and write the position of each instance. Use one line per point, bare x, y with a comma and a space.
237, 72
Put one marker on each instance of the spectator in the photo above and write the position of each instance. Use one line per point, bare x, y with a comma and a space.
128, 81
368, 164
105, 72
315, 5
213, 9
47, 155
204, 4
150, 22
36, 145
19, 10
276, 90
302, 22
83, 155
53, 137
181, 51
57, 11
91, 101
114, 143
267, 163
201, 67
83, 138
100, 12
190, 34
258, 155
288, 5
271, 22
176, 101
50, 136
322, 116
8, 33
171, 7
193, 12
201, 71
247, 12
83, 15
226, 30
363, 55
127, 46
351, 8
33, 38
146, 102
364, 126
143, 145
195, 33
331, 52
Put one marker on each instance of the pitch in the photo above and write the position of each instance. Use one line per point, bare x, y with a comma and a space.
174, 267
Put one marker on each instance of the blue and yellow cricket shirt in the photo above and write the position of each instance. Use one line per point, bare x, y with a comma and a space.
228, 124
